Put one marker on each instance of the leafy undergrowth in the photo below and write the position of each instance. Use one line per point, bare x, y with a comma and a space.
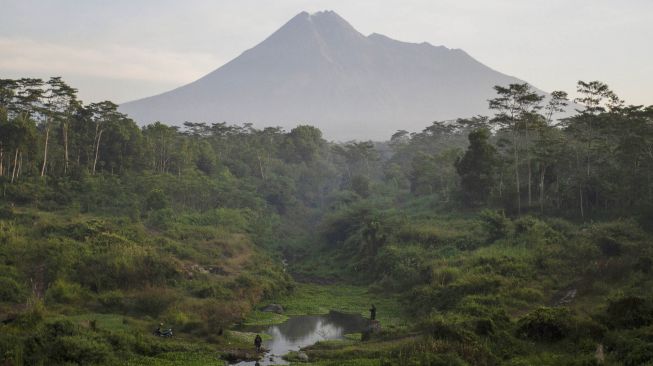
486, 289
107, 282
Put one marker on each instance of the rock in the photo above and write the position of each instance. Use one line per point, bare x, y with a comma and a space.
238, 355
273, 308
568, 298
302, 357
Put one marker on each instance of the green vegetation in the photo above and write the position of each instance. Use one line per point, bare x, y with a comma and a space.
515, 239
311, 299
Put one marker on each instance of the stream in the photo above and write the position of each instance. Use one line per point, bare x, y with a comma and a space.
302, 331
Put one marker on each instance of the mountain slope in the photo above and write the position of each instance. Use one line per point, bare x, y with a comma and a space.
318, 69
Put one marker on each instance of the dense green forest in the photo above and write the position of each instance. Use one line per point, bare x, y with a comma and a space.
520, 238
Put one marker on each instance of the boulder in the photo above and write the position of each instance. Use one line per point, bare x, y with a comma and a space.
273, 308
239, 355
302, 357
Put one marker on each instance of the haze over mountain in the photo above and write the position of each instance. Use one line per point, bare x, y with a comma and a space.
317, 69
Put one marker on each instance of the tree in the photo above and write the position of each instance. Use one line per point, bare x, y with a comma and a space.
160, 140
102, 115
477, 168
516, 106
59, 102
303, 144
358, 158
597, 99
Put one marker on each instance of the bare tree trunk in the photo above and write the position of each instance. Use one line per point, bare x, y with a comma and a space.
530, 179
15, 168
589, 146
260, 167
45, 150
516, 157
558, 192
530, 170
20, 164
542, 171
95, 144
580, 196
2, 158
65, 147
97, 150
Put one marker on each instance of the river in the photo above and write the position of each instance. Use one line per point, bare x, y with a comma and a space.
302, 331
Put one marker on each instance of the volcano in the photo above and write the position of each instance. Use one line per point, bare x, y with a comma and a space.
318, 70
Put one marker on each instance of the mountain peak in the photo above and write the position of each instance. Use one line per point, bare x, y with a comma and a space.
321, 20
318, 69
327, 14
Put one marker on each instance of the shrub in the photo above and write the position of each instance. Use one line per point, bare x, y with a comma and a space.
610, 247
484, 327
545, 324
630, 312
156, 200
10, 290
59, 328
496, 224
632, 347
443, 328
153, 301
644, 265
534, 232
6, 212
112, 300
64, 292
161, 219
615, 238
81, 350
33, 315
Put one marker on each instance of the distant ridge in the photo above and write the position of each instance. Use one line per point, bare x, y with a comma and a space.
317, 69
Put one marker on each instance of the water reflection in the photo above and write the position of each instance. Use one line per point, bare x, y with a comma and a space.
302, 331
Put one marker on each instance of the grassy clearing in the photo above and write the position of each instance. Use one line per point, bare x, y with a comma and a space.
313, 299
107, 322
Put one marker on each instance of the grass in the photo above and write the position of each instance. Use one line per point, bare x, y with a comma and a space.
264, 318
353, 336
354, 353
178, 358
312, 299
108, 322
355, 362
238, 339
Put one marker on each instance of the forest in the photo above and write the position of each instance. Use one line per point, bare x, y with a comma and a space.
518, 238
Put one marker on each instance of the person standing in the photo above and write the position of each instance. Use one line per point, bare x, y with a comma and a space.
257, 342
373, 312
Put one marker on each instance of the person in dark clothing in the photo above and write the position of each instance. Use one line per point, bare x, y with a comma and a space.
257, 342
373, 312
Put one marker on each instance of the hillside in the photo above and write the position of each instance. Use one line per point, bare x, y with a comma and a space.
502, 240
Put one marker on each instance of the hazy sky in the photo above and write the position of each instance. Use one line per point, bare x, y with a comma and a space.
127, 49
